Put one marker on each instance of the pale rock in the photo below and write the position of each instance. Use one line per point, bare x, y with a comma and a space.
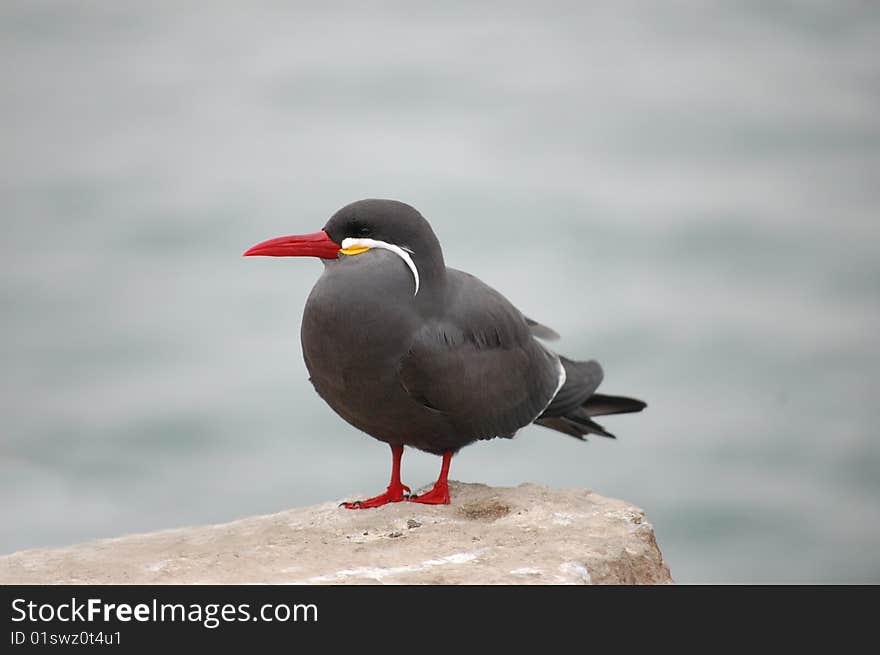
528, 534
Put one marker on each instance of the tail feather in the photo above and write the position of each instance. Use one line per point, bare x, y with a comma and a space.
582, 419
575, 404
562, 425
600, 405
581, 380
575, 427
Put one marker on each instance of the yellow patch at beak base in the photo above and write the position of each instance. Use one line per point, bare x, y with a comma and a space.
354, 250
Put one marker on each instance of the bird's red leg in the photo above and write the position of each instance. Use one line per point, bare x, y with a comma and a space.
394, 493
439, 495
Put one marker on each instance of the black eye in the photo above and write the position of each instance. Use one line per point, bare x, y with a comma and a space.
364, 231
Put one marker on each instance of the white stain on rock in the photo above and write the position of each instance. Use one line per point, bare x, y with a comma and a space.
562, 518
577, 571
379, 573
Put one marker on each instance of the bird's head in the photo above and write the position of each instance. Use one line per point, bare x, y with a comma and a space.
363, 226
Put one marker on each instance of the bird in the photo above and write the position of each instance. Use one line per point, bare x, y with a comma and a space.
418, 354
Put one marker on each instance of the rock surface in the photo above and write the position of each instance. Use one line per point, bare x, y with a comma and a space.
521, 535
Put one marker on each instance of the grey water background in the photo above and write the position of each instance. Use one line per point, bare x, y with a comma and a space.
686, 191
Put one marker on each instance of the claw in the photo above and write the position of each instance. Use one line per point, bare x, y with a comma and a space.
439, 495
394, 494
396, 491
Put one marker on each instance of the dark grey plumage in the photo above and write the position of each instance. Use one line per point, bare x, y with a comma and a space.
452, 364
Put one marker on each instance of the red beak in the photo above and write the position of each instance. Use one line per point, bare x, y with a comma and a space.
317, 244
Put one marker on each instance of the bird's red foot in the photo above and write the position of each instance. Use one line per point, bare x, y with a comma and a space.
394, 494
439, 495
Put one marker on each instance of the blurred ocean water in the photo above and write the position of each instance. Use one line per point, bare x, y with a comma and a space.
688, 193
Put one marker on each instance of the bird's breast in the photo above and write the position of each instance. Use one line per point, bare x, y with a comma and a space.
358, 323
